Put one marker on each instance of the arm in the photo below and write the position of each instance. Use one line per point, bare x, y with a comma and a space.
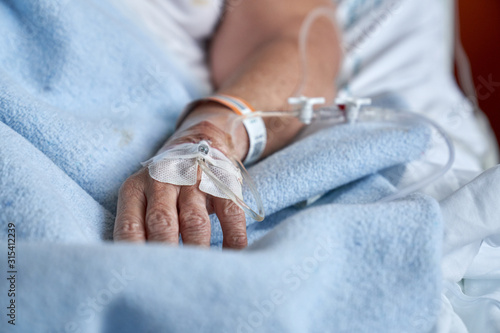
254, 56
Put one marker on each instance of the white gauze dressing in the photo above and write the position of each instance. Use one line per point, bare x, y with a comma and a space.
180, 165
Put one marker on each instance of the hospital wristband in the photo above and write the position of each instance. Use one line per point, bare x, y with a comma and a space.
255, 126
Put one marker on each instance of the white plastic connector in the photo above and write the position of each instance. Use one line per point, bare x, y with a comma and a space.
352, 106
305, 106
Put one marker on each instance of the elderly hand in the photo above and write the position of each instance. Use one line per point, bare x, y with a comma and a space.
155, 211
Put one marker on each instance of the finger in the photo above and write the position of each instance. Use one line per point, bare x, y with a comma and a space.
161, 214
233, 223
129, 222
194, 222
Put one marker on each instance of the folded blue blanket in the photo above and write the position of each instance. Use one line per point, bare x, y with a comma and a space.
84, 97
330, 268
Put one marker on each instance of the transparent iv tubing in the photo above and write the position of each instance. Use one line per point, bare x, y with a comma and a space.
313, 15
375, 114
366, 114
305, 28
257, 215
382, 115
433, 177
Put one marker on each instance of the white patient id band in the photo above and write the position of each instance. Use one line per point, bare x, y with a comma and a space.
256, 129
255, 126
257, 138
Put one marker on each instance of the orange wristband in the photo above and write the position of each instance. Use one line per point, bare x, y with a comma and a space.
255, 127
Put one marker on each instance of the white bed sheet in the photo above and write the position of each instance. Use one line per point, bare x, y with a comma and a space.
409, 54
471, 257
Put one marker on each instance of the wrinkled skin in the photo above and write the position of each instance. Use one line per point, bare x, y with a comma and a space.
149, 210
253, 55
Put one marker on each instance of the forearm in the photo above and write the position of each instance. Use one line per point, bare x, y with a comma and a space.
269, 73
255, 57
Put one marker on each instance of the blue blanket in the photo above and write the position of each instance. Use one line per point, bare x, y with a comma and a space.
84, 97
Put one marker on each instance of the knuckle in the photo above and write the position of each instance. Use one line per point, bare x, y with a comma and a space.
127, 227
230, 209
237, 240
160, 221
195, 222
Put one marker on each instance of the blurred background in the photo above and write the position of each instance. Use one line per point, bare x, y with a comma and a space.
480, 34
